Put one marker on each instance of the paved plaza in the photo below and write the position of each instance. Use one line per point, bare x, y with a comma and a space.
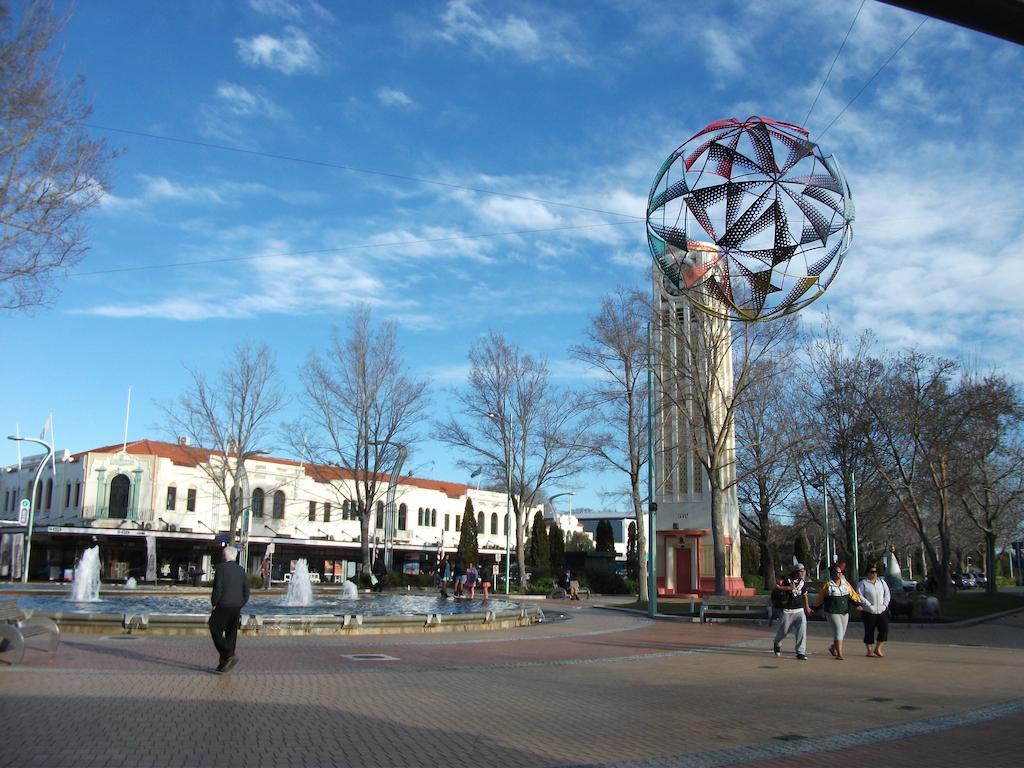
598, 688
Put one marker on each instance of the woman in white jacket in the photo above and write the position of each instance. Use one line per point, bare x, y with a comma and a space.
875, 597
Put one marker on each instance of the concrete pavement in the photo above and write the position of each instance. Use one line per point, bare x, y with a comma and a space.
600, 688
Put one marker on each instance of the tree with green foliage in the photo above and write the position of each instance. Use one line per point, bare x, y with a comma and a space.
632, 558
605, 536
468, 547
556, 543
540, 551
578, 541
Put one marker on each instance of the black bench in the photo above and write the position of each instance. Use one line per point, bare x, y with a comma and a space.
15, 628
714, 607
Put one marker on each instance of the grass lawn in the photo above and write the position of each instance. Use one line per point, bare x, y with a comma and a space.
964, 605
973, 603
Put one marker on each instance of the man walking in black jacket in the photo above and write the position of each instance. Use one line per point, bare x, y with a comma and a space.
230, 593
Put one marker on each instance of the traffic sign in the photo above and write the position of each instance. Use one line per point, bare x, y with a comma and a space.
23, 512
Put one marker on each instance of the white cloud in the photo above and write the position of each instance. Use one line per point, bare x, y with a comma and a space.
462, 23
289, 54
392, 97
239, 100
279, 8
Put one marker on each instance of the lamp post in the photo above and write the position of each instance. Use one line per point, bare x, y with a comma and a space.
246, 502
32, 501
506, 443
570, 494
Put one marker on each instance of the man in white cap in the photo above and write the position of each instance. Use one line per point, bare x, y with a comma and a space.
795, 611
230, 593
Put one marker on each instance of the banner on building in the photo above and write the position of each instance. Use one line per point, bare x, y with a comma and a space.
150, 557
17, 548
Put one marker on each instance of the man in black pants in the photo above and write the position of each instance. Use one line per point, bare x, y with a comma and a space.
230, 593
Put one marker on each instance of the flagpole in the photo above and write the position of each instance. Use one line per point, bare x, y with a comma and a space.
127, 413
53, 449
17, 433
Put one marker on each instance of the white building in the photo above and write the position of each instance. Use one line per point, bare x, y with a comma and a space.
118, 497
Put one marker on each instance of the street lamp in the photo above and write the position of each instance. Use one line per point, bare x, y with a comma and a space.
507, 446
32, 501
246, 502
570, 494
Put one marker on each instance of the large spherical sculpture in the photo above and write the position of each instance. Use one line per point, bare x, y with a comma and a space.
749, 220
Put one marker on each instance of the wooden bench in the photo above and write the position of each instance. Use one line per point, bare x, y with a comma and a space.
579, 590
15, 628
755, 608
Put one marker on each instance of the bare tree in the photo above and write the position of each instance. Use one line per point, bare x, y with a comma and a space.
231, 418
617, 348
361, 410
707, 366
52, 171
516, 424
992, 495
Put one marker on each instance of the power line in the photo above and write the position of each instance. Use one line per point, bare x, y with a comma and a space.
872, 78
829, 73
342, 249
350, 169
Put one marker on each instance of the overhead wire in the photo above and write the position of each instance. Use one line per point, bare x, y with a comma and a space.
833, 64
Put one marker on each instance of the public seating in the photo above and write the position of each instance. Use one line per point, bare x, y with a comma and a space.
754, 608
15, 628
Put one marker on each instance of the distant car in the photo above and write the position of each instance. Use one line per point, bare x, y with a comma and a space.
963, 580
980, 579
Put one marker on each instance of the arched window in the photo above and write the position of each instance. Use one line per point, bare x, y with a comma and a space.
39, 495
480, 522
506, 525
346, 510
49, 492
380, 515
120, 492
279, 505
433, 518
403, 514
494, 523
257, 503
419, 516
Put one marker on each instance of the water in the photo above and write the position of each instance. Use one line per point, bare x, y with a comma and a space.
86, 586
399, 604
300, 590
349, 591
130, 583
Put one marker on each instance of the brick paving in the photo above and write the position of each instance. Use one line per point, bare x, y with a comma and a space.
600, 689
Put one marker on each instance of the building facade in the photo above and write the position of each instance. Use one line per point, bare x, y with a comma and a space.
121, 496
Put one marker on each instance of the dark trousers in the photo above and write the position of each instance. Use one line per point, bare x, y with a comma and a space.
873, 622
224, 630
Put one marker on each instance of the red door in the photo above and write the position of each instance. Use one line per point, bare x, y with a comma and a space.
683, 572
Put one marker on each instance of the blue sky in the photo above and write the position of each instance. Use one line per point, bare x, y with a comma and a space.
570, 102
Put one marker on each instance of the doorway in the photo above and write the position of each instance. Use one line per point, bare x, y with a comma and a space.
684, 573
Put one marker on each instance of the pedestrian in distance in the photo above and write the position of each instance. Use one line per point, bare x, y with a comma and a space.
838, 597
379, 571
875, 597
460, 575
471, 577
794, 608
445, 571
230, 593
486, 579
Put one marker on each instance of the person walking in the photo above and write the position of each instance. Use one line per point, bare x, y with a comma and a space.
460, 575
471, 577
486, 577
380, 570
875, 597
230, 593
795, 610
837, 595
445, 571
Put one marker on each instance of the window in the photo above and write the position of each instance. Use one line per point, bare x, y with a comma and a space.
433, 518
120, 493
190, 499
419, 517
480, 523
380, 515
506, 526
172, 497
49, 493
458, 523
403, 514
494, 523
257, 503
346, 510
67, 497
447, 522
327, 512
279, 505
312, 511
